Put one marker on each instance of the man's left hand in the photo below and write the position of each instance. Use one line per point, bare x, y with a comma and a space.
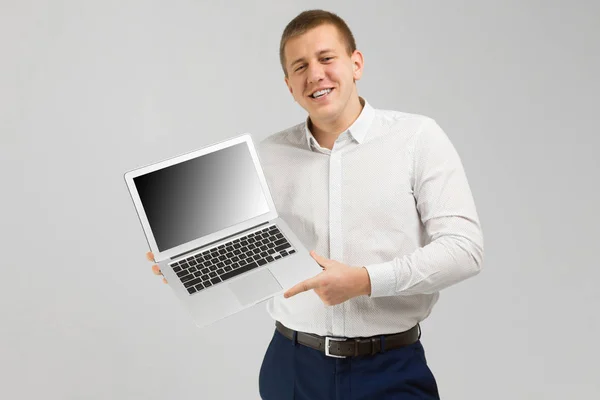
337, 283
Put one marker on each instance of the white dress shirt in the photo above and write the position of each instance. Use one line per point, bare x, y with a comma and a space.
391, 196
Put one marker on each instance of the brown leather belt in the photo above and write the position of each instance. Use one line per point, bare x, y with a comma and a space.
351, 347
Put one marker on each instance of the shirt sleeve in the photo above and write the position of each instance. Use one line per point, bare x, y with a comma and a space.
445, 204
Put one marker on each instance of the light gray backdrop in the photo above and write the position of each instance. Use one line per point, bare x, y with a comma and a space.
89, 90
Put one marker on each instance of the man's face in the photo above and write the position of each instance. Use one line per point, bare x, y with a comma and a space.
317, 62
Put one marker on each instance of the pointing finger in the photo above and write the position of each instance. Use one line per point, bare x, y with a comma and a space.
150, 256
304, 286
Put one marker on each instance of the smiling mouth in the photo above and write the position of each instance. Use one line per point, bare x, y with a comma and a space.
321, 93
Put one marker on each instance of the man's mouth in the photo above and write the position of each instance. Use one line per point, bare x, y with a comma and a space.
321, 93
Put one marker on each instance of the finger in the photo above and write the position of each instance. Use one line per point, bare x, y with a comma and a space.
165, 280
323, 262
150, 256
156, 270
304, 286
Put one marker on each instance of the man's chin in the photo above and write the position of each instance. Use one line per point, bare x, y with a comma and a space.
322, 111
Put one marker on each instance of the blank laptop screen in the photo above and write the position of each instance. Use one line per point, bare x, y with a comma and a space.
201, 196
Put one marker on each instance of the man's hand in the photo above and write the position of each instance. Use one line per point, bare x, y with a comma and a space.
337, 283
155, 268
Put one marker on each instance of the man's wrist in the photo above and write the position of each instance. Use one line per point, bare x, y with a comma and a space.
365, 287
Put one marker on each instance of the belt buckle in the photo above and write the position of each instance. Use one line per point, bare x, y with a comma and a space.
328, 340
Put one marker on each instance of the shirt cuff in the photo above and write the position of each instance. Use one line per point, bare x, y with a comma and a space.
383, 279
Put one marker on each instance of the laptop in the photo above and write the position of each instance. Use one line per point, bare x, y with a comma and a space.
210, 221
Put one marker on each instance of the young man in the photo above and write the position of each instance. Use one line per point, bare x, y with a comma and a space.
382, 198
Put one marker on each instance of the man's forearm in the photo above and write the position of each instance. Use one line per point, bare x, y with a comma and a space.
447, 260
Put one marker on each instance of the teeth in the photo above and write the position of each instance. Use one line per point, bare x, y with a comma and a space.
321, 93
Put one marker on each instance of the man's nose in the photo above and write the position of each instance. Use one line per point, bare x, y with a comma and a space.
316, 72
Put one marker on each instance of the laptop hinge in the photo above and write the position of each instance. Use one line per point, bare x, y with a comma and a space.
217, 241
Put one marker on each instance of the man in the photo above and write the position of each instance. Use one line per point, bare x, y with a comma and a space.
383, 199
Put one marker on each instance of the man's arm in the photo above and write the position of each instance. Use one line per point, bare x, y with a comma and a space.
447, 210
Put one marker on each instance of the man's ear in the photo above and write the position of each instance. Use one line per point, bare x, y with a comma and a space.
358, 63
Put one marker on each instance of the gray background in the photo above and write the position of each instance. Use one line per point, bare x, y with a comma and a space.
92, 89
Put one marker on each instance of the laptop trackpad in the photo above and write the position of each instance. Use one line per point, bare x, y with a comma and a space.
254, 287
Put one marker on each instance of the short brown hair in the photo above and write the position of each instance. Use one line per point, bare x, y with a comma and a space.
310, 19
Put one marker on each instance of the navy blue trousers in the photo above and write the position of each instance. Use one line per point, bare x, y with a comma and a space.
293, 371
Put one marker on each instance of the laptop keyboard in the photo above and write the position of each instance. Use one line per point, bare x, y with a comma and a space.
202, 270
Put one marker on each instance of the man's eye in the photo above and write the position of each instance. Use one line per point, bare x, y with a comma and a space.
299, 68
327, 58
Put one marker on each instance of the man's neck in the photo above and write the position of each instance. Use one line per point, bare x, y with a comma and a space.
327, 132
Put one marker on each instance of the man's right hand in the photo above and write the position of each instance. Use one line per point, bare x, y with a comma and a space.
155, 268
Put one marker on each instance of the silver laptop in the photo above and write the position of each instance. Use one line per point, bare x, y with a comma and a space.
212, 225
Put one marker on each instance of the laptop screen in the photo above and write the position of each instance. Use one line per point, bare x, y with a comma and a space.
197, 197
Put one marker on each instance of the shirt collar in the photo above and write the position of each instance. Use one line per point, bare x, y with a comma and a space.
358, 130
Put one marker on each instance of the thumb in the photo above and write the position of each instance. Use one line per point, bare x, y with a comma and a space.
323, 262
